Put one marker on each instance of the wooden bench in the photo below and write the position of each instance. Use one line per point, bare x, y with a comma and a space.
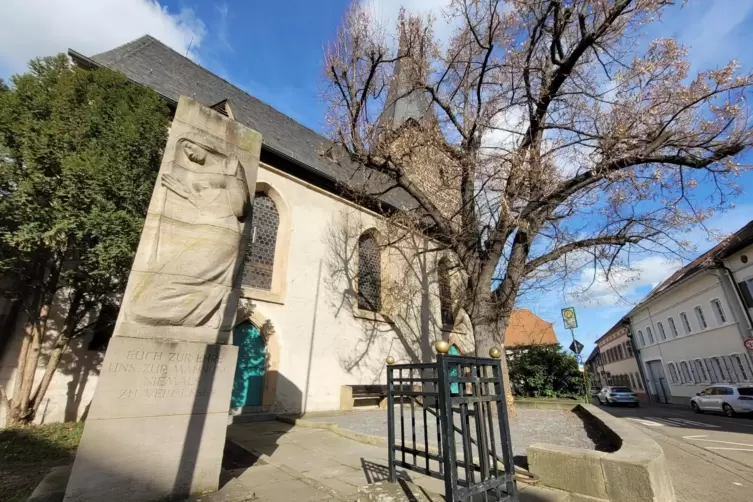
365, 394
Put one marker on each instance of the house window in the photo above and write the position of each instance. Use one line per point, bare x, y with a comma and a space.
629, 349
685, 370
445, 294
701, 318
719, 369
260, 257
701, 370
716, 305
685, 323
672, 327
620, 352
369, 273
746, 288
650, 335
661, 331
638, 381
740, 363
640, 336
694, 372
715, 376
673, 373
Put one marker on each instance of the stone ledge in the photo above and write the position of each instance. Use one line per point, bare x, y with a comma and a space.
636, 471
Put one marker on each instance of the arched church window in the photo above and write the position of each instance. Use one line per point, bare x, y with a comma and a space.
445, 293
260, 257
369, 273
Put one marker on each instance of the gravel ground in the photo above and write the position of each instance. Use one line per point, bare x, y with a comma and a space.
529, 426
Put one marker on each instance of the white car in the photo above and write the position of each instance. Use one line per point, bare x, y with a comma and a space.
728, 399
617, 395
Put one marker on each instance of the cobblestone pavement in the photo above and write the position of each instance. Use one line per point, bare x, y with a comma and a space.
530, 425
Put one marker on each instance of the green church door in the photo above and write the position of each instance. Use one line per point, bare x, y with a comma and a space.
454, 387
249, 373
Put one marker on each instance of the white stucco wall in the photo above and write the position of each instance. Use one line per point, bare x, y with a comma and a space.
626, 366
740, 265
323, 345
717, 340
72, 386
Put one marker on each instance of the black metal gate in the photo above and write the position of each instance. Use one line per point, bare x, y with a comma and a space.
463, 400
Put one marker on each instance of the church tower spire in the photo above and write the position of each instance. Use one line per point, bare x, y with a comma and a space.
404, 100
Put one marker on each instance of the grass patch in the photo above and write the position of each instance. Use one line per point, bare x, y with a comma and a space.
28, 453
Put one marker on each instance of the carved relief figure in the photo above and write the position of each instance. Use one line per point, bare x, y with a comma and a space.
193, 255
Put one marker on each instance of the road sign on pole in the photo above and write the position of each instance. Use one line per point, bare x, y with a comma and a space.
576, 347
568, 317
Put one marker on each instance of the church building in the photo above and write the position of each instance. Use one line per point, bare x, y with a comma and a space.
325, 299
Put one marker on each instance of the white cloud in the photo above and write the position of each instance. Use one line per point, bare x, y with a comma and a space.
593, 287
386, 12
35, 28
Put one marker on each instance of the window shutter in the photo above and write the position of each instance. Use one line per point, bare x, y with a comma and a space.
727, 361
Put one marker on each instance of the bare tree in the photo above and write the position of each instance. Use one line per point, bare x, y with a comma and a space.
554, 135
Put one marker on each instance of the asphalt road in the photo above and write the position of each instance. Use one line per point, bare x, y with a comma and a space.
710, 457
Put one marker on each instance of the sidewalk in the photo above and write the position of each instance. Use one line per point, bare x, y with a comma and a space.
310, 465
321, 463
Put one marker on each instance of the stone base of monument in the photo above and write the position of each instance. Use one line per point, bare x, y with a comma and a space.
156, 427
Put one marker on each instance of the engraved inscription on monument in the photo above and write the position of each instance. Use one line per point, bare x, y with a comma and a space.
150, 377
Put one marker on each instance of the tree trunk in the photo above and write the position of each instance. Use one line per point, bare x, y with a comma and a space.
486, 336
21, 400
61, 344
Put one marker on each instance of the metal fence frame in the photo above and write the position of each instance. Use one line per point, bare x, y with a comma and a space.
454, 386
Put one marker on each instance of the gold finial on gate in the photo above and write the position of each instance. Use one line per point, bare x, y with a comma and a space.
442, 346
495, 353
390, 360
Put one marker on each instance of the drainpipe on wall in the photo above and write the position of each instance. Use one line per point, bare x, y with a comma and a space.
738, 294
637, 355
744, 333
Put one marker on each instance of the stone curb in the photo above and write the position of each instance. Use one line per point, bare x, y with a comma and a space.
520, 474
548, 405
636, 471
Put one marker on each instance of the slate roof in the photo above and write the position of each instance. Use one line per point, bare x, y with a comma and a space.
149, 62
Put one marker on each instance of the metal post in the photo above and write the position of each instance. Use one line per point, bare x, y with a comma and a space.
448, 435
390, 425
504, 429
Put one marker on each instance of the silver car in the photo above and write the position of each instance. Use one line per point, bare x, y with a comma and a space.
727, 399
617, 395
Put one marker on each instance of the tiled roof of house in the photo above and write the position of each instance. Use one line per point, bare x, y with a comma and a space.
526, 328
151, 63
729, 246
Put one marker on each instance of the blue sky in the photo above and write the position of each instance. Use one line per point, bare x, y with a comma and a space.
274, 51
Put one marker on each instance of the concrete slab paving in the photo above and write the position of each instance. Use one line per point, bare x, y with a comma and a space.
328, 460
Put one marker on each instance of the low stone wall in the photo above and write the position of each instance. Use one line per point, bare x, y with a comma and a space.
635, 472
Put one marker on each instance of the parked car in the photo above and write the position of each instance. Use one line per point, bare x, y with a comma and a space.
727, 399
595, 391
617, 395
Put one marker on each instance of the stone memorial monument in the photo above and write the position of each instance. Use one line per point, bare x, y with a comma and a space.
156, 427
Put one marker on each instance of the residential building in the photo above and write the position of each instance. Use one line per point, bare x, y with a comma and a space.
689, 331
311, 321
615, 362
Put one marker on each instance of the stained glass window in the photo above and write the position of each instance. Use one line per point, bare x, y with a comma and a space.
260, 256
369, 274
